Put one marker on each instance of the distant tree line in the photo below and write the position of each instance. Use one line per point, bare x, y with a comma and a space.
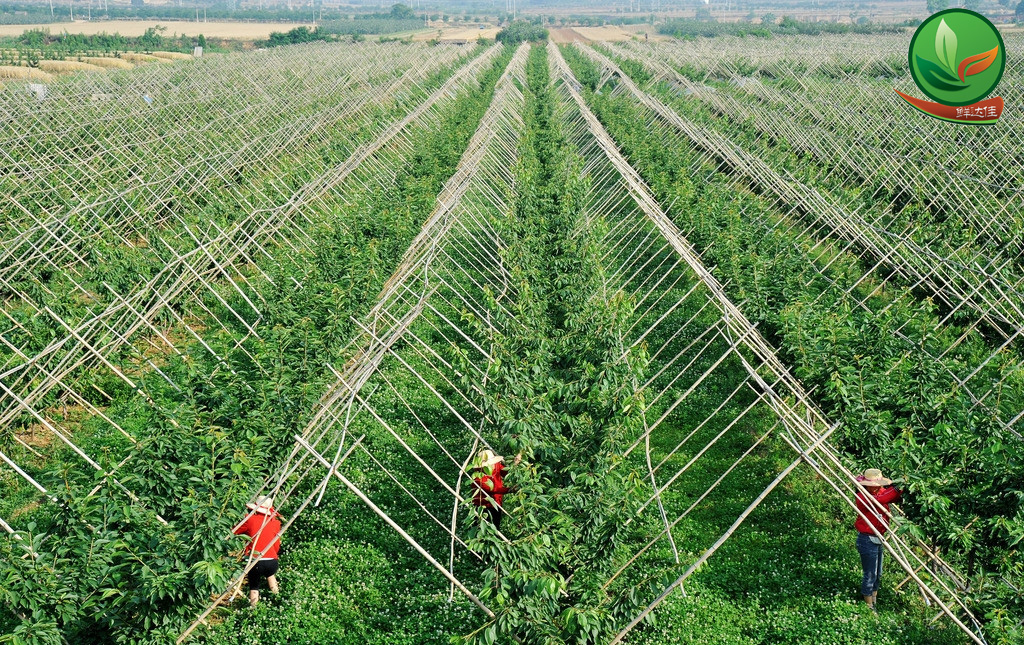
13, 13
709, 28
366, 26
63, 45
295, 36
401, 18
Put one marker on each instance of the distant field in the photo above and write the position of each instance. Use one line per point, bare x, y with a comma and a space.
607, 33
457, 33
138, 27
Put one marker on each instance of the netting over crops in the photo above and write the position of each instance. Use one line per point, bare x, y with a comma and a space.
820, 97
729, 346
404, 409
401, 410
201, 232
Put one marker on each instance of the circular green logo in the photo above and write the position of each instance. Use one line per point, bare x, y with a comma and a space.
957, 57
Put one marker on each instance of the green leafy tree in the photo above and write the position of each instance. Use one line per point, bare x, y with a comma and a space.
937, 5
402, 12
521, 31
153, 38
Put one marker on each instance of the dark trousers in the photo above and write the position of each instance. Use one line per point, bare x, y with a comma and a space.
259, 573
494, 515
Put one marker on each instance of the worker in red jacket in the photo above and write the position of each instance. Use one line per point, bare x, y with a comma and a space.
264, 528
488, 480
873, 515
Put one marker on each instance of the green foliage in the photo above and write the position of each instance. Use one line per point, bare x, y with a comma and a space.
152, 39
562, 392
521, 31
898, 405
43, 44
365, 26
709, 28
401, 11
109, 571
31, 13
296, 36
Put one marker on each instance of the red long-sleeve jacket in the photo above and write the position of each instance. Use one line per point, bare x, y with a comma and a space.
493, 484
264, 531
876, 509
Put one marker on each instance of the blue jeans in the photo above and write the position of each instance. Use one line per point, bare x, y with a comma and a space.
871, 562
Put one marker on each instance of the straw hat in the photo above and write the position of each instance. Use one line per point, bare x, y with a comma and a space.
873, 477
488, 458
263, 504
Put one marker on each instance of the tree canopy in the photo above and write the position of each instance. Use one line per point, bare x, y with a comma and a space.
402, 12
521, 31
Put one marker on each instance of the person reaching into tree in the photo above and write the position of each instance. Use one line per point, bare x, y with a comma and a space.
873, 515
488, 480
264, 528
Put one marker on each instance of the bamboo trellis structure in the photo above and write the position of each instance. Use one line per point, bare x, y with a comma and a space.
371, 424
456, 258
805, 428
975, 273
455, 247
123, 330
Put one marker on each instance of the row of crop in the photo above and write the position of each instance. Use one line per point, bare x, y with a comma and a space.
714, 445
562, 392
129, 144
563, 389
937, 257
215, 434
108, 266
825, 56
899, 407
950, 257
114, 182
550, 392
851, 136
124, 156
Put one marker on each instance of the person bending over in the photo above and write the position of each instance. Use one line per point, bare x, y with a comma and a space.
263, 526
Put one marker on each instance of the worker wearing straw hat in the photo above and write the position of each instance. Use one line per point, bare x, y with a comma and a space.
873, 516
262, 525
487, 471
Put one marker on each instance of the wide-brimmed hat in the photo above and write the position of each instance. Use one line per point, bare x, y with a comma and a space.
488, 458
873, 477
263, 504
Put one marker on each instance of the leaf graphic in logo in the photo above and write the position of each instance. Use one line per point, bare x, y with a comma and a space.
977, 64
945, 45
938, 77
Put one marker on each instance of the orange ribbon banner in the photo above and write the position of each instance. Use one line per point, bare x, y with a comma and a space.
984, 112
